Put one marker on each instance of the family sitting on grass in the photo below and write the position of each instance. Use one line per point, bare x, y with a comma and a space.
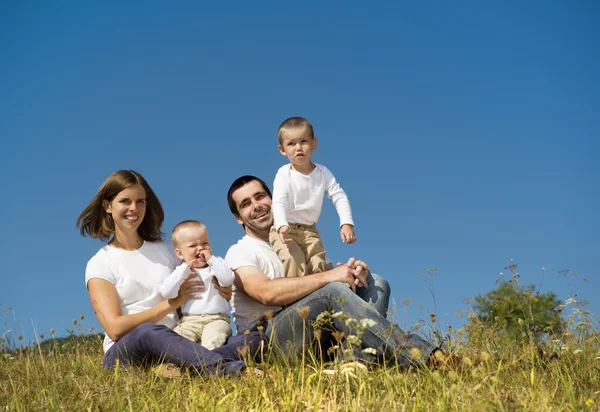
277, 276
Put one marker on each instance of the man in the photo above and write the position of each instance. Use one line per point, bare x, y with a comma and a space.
263, 296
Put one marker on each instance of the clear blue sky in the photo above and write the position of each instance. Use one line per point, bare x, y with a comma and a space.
465, 134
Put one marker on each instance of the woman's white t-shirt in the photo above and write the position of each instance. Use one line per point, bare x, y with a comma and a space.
136, 275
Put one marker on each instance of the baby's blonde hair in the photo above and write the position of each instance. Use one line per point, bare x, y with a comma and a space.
184, 225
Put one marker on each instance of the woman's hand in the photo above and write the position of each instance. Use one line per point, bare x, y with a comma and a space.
224, 291
188, 290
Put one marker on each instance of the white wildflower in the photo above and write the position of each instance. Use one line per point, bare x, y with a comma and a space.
367, 323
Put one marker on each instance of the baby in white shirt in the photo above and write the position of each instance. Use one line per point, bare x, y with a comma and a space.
204, 320
298, 193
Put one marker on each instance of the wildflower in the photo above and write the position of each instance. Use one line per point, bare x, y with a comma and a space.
269, 314
81, 316
260, 328
317, 334
589, 402
367, 323
353, 340
303, 312
337, 315
350, 322
20, 337
74, 321
338, 336
242, 351
52, 331
415, 353
432, 317
370, 351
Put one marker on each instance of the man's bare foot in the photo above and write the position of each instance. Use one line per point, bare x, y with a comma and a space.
441, 360
253, 372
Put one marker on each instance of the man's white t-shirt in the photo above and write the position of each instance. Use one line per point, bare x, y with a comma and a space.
136, 275
249, 251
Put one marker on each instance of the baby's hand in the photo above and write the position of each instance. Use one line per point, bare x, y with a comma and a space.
206, 254
283, 232
347, 234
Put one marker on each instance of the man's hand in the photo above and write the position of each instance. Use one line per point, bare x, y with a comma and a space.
225, 291
283, 232
347, 234
188, 290
359, 270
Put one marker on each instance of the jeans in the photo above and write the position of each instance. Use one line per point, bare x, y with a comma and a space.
151, 343
390, 344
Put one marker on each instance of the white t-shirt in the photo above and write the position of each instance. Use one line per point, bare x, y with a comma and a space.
211, 301
249, 251
298, 198
136, 275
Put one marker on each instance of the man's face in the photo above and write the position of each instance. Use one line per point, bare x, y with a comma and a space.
254, 208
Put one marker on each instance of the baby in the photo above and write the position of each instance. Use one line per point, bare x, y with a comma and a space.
297, 201
204, 320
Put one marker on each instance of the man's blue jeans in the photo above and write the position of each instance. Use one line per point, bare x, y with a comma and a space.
157, 343
391, 344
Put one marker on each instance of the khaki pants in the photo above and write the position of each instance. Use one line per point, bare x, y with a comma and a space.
210, 329
305, 255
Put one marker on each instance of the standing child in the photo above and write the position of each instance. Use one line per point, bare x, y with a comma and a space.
297, 201
204, 320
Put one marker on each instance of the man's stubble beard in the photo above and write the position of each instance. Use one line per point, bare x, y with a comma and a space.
260, 231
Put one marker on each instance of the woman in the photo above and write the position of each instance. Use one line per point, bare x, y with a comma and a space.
124, 277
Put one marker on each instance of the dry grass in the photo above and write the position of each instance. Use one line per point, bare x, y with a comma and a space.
498, 375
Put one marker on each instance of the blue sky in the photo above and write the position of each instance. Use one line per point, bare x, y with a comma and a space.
465, 134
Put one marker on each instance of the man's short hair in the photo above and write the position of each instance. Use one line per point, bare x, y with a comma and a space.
294, 123
239, 182
184, 225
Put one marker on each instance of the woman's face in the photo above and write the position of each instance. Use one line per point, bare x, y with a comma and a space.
128, 208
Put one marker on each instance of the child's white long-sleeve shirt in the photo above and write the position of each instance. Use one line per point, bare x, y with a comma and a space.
298, 198
211, 301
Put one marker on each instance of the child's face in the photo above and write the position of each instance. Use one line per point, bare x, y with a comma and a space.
297, 145
191, 242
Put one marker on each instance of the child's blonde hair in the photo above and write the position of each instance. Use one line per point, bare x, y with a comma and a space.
294, 123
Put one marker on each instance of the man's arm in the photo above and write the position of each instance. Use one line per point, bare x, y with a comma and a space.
284, 291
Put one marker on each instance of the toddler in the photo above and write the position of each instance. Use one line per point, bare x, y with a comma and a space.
297, 201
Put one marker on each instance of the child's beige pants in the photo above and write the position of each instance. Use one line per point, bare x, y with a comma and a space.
305, 255
210, 329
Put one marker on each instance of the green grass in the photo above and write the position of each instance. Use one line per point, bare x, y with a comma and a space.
498, 374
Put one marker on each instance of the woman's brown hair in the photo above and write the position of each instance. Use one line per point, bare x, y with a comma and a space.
95, 222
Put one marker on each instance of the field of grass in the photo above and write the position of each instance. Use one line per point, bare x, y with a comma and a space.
496, 374
501, 370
